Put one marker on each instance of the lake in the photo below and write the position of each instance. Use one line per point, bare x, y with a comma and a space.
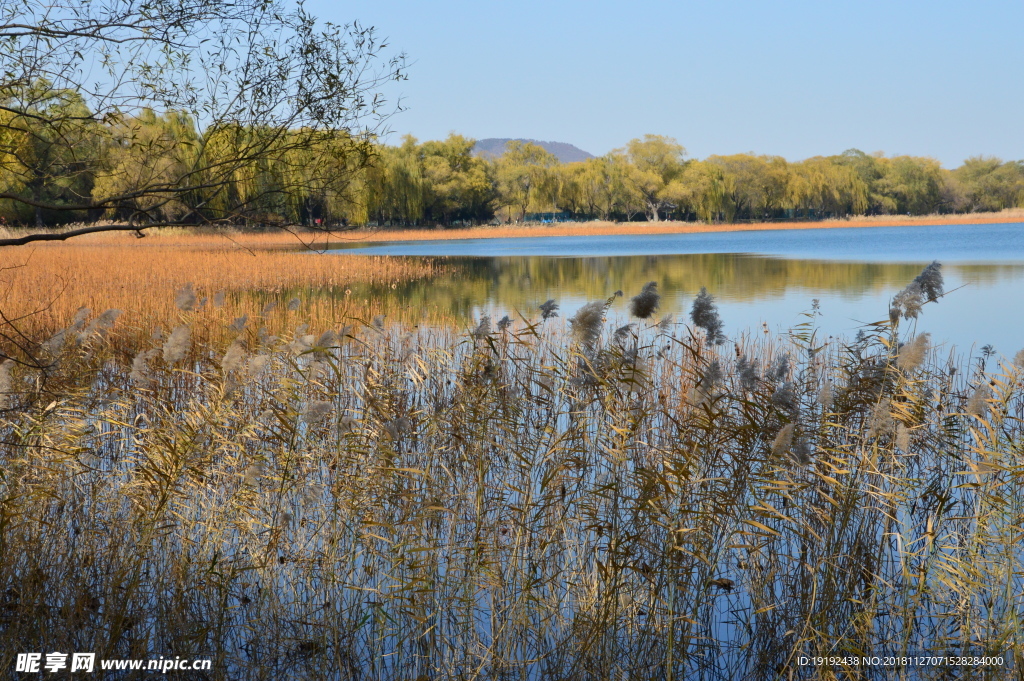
758, 277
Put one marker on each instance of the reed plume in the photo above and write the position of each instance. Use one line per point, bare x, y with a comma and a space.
622, 333
926, 287
881, 422
587, 323
825, 395
977, 405
177, 345
185, 299
234, 358
549, 309
6, 384
141, 372
483, 327
646, 302
930, 281
316, 411
99, 326
783, 440
704, 314
746, 371
912, 354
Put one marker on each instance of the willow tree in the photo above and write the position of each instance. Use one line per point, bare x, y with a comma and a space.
457, 183
654, 161
911, 184
524, 176
395, 186
989, 184
573, 188
274, 97
146, 150
703, 189
827, 187
757, 184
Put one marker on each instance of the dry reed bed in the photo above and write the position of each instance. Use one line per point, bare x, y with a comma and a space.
42, 286
529, 501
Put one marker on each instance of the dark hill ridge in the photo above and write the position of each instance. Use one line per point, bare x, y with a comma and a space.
494, 147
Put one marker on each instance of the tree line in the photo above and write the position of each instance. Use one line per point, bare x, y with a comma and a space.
441, 182
160, 168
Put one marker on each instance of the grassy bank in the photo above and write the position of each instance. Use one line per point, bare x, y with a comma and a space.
532, 500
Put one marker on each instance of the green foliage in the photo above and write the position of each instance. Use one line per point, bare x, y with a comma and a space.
653, 163
161, 168
989, 184
458, 184
47, 164
525, 178
757, 185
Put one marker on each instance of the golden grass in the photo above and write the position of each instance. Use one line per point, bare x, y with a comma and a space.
532, 503
44, 284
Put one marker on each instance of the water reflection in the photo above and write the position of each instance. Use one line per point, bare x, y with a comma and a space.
758, 277
751, 290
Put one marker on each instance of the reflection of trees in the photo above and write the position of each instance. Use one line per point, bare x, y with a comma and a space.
522, 282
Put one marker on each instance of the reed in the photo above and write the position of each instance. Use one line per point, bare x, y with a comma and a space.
228, 275
531, 500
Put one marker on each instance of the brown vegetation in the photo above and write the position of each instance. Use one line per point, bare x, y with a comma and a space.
44, 285
530, 501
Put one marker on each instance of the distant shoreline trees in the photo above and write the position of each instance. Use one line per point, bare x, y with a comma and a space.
337, 180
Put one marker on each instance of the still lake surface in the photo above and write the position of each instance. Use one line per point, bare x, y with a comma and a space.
757, 277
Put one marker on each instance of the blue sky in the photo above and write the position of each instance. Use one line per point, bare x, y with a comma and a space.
798, 79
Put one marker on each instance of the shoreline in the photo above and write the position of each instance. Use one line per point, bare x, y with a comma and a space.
230, 238
601, 228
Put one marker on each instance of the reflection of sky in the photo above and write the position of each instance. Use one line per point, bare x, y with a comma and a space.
987, 261
977, 315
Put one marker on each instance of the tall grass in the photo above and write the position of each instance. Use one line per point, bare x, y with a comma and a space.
541, 500
41, 287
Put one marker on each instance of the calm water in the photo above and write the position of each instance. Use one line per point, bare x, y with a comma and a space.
758, 277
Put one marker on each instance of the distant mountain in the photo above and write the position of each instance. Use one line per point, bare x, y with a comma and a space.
493, 147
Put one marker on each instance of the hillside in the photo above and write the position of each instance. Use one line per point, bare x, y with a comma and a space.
494, 147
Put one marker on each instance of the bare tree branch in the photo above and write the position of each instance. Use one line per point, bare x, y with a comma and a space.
182, 113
